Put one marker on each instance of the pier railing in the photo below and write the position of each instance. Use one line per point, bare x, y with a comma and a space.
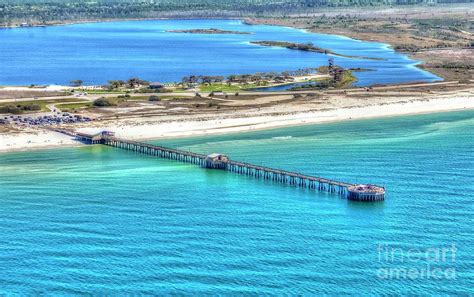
218, 161
256, 171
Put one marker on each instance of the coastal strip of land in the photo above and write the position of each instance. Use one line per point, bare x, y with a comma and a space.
309, 47
441, 37
307, 108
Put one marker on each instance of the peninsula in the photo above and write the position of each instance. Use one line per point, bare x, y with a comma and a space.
309, 47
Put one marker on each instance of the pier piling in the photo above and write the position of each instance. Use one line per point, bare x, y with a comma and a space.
366, 193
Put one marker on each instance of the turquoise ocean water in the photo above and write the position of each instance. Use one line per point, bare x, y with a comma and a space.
98, 52
101, 220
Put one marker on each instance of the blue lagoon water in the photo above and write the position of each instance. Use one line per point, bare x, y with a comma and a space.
98, 52
101, 220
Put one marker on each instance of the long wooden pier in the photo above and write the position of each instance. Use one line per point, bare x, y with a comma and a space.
222, 162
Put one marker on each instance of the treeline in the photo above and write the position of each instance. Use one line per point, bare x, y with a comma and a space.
248, 78
19, 108
13, 12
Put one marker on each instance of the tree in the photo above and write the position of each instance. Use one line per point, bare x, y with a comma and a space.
133, 82
102, 102
116, 84
232, 78
136, 82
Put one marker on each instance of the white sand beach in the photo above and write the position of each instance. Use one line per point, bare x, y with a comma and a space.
238, 121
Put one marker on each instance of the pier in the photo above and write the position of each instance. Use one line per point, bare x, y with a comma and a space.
368, 193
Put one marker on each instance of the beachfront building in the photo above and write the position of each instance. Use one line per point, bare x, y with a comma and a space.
96, 138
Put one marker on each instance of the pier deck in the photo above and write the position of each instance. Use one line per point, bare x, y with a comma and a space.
218, 161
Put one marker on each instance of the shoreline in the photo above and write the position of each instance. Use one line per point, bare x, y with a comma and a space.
251, 21
94, 21
155, 128
331, 11
46, 140
420, 64
283, 126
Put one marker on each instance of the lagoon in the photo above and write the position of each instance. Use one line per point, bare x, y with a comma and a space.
97, 52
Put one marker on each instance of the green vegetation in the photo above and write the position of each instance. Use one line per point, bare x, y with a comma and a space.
308, 47
104, 102
346, 80
38, 12
154, 98
32, 105
241, 82
132, 83
138, 98
404, 33
74, 106
233, 81
224, 87
19, 108
167, 98
135, 85
114, 101
99, 92
341, 78
136, 82
126, 96
115, 84
148, 90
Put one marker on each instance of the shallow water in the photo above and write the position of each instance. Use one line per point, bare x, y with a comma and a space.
102, 220
98, 52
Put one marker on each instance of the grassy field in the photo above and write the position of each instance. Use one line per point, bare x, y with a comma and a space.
167, 98
347, 79
115, 101
42, 104
222, 87
68, 107
99, 92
